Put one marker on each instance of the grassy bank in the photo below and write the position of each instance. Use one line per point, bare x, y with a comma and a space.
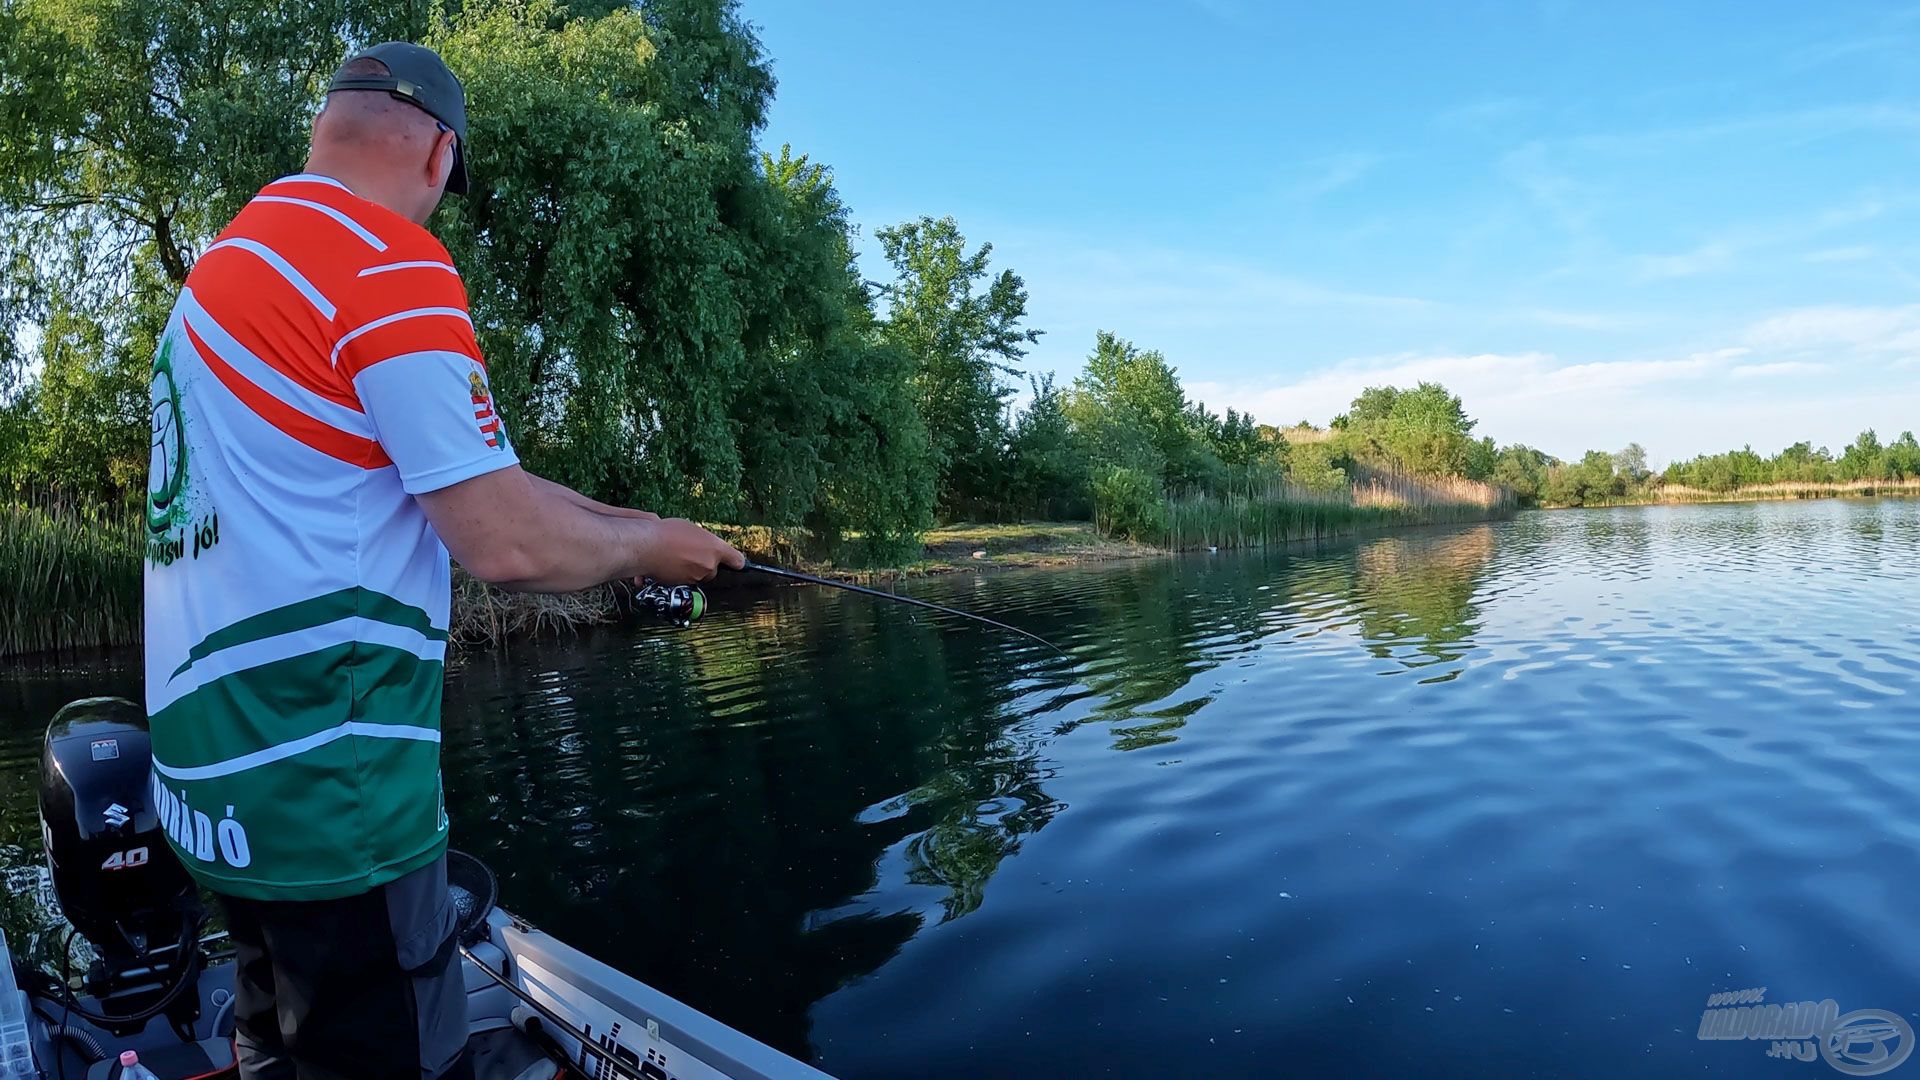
73, 576
1681, 494
80, 570
483, 613
1283, 513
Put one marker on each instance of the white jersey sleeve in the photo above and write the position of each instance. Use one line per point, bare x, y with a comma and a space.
433, 413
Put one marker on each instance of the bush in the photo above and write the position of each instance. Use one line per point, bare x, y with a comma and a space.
1128, 503
1314, 466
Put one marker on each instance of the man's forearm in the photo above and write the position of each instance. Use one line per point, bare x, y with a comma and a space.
562, 491
517, 531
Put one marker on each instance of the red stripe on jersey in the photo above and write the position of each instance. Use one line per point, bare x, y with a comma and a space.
321, 436
280, 345
431, 330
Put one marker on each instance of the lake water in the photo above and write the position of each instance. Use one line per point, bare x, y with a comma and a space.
1500, 800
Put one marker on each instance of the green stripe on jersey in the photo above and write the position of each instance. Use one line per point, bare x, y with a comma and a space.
314, 611
309, 777
304, 829
256, 710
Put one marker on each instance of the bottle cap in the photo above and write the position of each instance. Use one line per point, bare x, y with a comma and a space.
128, 1059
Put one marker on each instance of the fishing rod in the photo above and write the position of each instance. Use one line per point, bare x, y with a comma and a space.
683, 605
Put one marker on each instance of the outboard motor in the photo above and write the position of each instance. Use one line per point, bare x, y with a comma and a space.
118, 882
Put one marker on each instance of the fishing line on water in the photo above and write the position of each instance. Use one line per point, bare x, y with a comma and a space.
685, 604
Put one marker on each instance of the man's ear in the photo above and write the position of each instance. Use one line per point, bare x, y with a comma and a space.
440, 163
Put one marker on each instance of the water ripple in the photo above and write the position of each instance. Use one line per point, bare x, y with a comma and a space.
1500, 800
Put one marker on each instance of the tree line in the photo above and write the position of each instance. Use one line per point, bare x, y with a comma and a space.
1600, 477
673, 317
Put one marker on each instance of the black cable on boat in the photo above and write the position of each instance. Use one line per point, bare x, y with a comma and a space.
622, 1067
182, 976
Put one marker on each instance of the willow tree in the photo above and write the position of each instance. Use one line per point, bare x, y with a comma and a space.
602, 238
130, 132
670, 320
675, 318
828, 424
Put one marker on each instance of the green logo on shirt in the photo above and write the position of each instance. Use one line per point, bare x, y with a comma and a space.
167, 466
170, 532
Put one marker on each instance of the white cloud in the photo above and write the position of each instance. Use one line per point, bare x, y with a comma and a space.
1485, 115
1860, 331
1728, 248
1778, 367
1676, 406
1785, 126
1577, 320
1839, 254
1184, 290
1324, 176
1525, 397
1710, 256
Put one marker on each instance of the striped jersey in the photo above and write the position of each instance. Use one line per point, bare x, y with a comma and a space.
318, 371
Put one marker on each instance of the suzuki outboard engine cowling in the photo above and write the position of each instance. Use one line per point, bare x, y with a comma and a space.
119, 883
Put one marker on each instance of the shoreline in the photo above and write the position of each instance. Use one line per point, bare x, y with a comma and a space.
483, 615
489, 616
1687, 496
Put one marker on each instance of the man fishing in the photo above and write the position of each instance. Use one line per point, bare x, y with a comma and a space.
324, 435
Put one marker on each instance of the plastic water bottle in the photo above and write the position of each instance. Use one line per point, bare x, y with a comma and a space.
131, 1069
16, 1052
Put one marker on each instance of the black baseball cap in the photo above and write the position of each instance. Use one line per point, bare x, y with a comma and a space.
417, 76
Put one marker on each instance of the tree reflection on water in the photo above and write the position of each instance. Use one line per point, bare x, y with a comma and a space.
754, 813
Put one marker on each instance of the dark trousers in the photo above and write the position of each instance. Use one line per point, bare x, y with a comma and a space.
363, 987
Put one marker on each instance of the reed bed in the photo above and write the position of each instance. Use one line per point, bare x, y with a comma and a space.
72, 577
72, 580
1790, 489
1283, 512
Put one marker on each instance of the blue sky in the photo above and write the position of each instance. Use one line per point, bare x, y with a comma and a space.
1694, 225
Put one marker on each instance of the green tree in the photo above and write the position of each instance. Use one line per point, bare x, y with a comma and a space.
1129, 502
1482, 455
623, 248
1631, 464
1903, 457
1236, 440
960, 322
1130, 408
829, 435
1802, 463
669, 318
130, 132
1048, 463
1593, 480
1316, 466
1523, 470
1424, 431
1865, 459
